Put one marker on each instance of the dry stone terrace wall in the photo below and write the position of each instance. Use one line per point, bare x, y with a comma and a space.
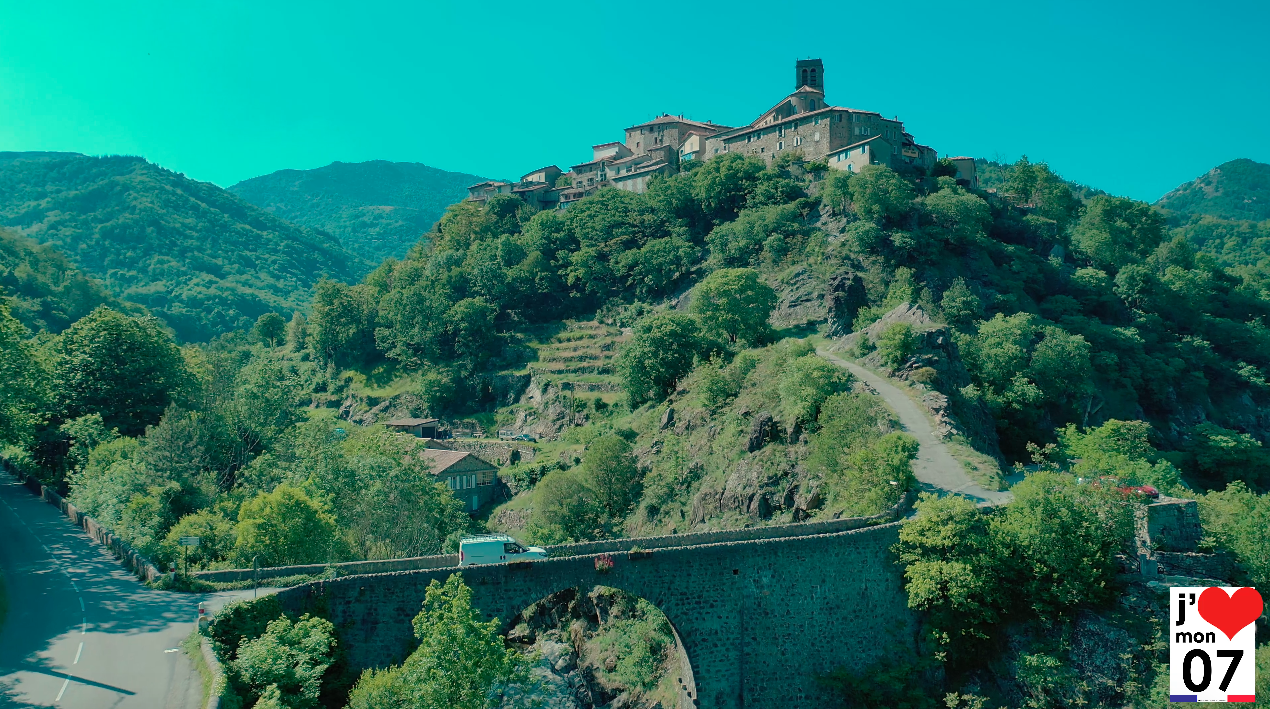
758, 619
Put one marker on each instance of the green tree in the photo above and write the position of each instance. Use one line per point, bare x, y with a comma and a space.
658, 355
950, 572
23, 382
741, 242
216, 539
735, 304
1114, 232
1122, 450
878, 193
285, 665
297, 332
834, 191
896, 344
804, 386
126, 369
610, 470
285, 527
723, 184
1223, 456
873, 477
1020, 181
460, 663
566, 509
342, 323
270, 328
1238, 520
1062, 538
960, 306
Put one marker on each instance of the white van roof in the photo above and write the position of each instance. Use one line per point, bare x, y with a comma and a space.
486, 538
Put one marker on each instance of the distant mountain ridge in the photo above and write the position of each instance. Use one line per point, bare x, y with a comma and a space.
377, 209
1239, 189
197, 256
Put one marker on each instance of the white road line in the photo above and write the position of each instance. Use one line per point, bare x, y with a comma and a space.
83, 629
81, 604
78, 652
59, 694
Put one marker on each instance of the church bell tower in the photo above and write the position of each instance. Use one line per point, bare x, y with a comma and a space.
810, 73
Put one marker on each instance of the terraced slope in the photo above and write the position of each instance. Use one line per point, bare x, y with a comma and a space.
581, 355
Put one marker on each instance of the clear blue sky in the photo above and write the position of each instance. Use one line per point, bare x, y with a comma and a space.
1132, 97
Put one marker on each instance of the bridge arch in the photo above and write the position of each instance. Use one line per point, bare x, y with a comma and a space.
598, 605
758, 619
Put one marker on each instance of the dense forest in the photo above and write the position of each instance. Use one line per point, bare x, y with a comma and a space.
664, 348
196, 256
376, 209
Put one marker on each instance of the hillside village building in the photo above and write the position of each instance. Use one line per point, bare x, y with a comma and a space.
802, 123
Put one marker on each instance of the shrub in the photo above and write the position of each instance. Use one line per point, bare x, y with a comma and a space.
896, 344
287, 661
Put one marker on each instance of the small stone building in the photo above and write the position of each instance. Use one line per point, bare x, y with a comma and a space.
419, 428
472, 479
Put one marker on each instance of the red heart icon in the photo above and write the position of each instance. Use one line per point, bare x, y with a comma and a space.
1230, 614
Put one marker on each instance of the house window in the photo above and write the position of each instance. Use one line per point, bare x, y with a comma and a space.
813, 77
813, 104
816, 137
780, 145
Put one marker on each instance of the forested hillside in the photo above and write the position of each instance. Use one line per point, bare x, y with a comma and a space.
1237, 190
663, 348
201, 259
378, 209
1226, 214
44, 291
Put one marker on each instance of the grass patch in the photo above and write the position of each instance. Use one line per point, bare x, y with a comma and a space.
192, 645
981, 468
273, 582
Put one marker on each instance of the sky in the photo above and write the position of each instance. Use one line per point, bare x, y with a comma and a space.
1131, 97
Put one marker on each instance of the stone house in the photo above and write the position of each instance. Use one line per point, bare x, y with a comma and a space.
471, 479
966, 175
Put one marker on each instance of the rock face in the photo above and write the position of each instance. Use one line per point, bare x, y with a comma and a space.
760, 431
845, 297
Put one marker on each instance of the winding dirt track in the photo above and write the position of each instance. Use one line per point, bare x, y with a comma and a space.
935, 467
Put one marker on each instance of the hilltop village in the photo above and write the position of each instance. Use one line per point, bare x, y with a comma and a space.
802, 123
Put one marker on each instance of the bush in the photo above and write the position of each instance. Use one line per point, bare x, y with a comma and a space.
285, 665
896, 344
461, 662
805, 384
239, 620
661, 352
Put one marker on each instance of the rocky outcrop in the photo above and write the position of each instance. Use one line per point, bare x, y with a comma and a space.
845, 297
761, 430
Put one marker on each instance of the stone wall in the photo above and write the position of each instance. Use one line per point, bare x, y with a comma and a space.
758, 619
492, 452
122, 550
1173, 524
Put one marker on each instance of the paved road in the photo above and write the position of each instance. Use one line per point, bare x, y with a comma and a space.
935, 467
81, 630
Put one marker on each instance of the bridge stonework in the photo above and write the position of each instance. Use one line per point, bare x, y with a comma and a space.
758, 620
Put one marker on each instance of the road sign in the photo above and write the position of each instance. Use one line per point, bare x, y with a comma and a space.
190, 541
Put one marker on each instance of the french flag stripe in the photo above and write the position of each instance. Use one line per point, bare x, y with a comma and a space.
1183, 697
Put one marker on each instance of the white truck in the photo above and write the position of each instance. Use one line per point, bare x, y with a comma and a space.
496, 549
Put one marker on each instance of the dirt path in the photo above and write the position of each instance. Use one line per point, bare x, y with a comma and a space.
935, 467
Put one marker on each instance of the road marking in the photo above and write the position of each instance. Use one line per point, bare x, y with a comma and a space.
81, 604
78, 652
175, 649
59, 694
83, 629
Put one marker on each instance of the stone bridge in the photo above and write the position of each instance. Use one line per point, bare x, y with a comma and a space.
757, 619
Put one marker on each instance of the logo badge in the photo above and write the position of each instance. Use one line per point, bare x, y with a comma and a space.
1212, 643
